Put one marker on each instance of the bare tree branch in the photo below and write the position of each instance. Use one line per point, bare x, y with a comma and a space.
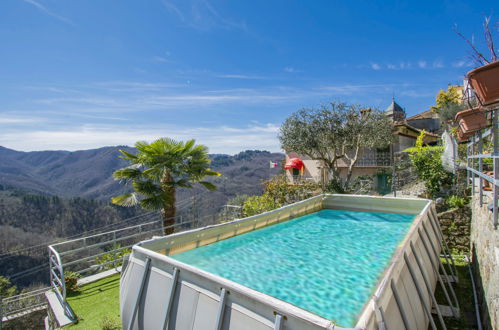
476, 56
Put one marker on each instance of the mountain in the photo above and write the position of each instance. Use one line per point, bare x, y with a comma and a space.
88, 173
85, 173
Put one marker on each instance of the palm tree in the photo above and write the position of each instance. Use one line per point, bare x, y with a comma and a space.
158, 169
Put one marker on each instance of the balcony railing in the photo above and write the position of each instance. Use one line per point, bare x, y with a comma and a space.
374, 158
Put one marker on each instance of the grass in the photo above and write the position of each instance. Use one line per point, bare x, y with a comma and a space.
464, 293
97, 304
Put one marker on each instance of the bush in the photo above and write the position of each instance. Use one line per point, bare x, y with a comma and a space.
428, 164
109, 323
278, 192
282, 193
334, 187
259, 204
117, 256
6, 288
363, 184
456, 201
71, 280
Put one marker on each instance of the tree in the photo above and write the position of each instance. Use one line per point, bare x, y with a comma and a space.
477, 55
158, 169
448, 103
6, 288
336, 131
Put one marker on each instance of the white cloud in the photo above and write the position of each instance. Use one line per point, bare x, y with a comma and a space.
239, 76
221, 139
422, 64
160, 59
201, 15
48, 12
290, 69
4, 119
438, 64
462, 63
375, 66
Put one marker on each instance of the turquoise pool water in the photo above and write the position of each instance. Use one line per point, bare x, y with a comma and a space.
327, 262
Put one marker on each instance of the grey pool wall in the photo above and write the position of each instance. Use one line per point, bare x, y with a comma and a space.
157, 290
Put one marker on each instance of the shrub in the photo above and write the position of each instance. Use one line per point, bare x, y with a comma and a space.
259, 204
363, 184
428, 164
71, 280
109, 323
456, 201
6, 288
334, 187
282, 193
113, 255
278, 192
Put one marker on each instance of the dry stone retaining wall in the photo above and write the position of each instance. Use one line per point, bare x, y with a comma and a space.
485, 257
455, 225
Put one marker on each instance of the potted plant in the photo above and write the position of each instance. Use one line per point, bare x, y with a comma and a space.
485, 81
471, 120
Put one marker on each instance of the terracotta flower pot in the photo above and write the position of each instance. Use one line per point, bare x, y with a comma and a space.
486, 184
463, 136
471, 120
485, 82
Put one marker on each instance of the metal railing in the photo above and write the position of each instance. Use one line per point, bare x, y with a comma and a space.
96, 253
22, 304
475, 164
373, 158
57, 280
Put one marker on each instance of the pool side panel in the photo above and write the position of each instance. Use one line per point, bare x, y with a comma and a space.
196, 300
375, 204
398, 273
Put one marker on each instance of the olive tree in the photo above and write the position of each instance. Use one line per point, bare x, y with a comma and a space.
336, 131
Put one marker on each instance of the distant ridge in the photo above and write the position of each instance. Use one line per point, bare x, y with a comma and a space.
88, 173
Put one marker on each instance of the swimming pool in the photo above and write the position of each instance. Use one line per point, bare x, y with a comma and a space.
363, 261
327, 262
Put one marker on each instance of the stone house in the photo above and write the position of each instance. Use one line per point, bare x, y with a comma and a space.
372, 162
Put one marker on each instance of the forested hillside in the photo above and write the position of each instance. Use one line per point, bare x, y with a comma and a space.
88, 173
28, 219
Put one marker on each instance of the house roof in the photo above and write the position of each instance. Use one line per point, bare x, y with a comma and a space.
423, 115
412, 128
394, 108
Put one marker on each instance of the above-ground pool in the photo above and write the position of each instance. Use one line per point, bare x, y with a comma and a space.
327, 262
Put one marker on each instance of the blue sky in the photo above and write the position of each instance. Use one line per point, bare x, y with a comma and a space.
83, 74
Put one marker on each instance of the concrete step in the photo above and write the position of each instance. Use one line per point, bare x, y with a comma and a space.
445, 310
450, 279
61, 311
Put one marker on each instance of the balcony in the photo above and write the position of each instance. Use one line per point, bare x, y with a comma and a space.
373, 158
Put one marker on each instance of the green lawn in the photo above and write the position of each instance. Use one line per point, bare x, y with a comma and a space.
97, 303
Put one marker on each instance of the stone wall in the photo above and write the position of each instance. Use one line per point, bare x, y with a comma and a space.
485, 258
455, 225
